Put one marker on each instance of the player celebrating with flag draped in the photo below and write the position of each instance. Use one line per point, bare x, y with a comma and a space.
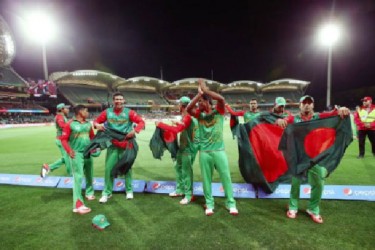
212, 151
75, 137
317, 172
186, 153
121, 119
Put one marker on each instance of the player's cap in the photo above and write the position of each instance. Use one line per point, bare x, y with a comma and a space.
306, 97
100, 222
184, 100
280, 101
62, 105
366, 98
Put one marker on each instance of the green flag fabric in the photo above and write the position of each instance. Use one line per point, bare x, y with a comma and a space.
127, 159
321, 141
163, 140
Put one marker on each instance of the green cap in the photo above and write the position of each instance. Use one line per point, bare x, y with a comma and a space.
280, 101
303, 98
184, 100
62, 105
100, 222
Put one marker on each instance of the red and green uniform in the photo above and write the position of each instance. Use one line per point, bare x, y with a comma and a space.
121, 120
315, 175
247, 115
185, 155
60, 121
75, 137
212, 155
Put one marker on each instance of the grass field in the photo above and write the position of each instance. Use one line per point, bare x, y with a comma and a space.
41, 218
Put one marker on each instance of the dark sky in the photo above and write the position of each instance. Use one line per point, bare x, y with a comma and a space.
252, 40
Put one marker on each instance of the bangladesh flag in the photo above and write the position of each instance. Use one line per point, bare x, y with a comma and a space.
260, 161
234, 125
321, 141
163, 140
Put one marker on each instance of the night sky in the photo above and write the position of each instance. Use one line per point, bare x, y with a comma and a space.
237, 40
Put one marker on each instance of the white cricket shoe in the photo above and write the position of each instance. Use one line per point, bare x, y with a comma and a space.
104, 198
44, 171
129, 196
82, 210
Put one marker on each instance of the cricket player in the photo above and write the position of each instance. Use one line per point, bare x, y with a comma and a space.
76, 136
212, 151
317, 174
247, 115
186, 153
60, 121
279, 107
121, 119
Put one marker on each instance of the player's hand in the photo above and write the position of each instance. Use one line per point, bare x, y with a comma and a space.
343, 112
203, 85
157, 123
72, 154
281, 123
200, 91
367, 125
130, 135
100, 127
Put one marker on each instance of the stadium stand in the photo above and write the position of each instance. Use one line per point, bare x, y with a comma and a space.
142, 90
290, 89
240, 92
186, 87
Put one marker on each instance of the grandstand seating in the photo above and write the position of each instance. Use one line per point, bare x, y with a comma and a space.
142, 98
9, 77
233, 98
290, 96
81, 95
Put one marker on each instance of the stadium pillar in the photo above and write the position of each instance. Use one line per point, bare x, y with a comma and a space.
44, 54
329, 76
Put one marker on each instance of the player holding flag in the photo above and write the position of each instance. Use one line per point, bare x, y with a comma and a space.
186, 153
121, 119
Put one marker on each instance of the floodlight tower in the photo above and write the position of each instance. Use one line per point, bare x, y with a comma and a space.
41, 28
329, 35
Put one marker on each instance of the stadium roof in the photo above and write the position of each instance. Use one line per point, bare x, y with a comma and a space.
285, 84
142, 83
192, 83
87, 77
241, 85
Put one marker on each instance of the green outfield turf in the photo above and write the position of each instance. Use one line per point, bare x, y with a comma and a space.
41, 218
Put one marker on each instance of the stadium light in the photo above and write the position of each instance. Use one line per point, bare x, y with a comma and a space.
41, 27
329, 35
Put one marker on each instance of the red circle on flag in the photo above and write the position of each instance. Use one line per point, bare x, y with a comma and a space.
169, 136
319, 140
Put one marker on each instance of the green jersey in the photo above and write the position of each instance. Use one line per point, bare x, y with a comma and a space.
60, 121
211, 131
120, 122
298, 117
188, 137
248, 116
77, 134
